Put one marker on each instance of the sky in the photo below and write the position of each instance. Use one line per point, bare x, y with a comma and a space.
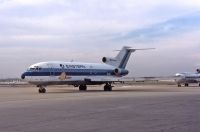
34, 31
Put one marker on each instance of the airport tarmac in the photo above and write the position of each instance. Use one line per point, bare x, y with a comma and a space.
138, 108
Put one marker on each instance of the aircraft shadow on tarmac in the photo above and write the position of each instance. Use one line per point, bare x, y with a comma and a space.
114, 91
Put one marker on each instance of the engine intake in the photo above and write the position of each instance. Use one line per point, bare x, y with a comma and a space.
104, 59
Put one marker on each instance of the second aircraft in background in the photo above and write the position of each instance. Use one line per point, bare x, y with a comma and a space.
186, 78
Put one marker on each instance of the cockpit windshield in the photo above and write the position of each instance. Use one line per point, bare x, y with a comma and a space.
35, 68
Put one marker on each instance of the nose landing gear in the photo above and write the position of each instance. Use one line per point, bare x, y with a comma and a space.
41, 89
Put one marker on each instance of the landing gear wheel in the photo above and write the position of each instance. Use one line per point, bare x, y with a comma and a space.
179, 85
199, 84
42, 90
82, 88
107, 87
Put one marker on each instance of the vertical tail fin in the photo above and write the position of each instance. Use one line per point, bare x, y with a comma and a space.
122, 58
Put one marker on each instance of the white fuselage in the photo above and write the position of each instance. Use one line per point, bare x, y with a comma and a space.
73, 73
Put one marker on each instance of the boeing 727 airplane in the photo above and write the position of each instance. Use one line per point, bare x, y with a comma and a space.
79, 74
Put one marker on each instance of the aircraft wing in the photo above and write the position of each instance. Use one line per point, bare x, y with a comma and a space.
131, 79
107, 79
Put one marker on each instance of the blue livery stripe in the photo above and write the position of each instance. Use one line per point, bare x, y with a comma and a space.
70, 72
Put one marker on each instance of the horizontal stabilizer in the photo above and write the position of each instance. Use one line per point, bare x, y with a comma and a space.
121, 60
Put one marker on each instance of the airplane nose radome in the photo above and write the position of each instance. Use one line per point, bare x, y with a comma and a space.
23, 76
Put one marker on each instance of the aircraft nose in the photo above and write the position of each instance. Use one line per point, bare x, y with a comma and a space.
23, 76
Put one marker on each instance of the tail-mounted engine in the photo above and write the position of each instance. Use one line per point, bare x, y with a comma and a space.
120, 72
107, 60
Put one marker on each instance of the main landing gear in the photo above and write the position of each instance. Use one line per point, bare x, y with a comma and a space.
186, 84
41, 89
108, 87
82, 88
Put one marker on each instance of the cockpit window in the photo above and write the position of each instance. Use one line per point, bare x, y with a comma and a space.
35, 68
